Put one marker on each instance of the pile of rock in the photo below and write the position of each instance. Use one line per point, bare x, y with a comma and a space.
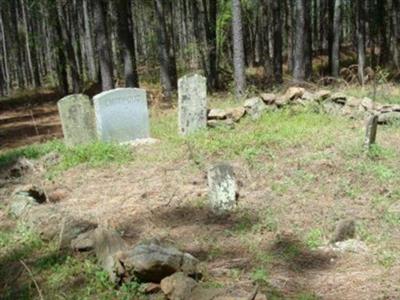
332, 103
163, 268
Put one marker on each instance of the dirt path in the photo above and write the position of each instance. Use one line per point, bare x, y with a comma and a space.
29, 121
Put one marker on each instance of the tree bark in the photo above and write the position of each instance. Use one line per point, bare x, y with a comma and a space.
336, 38
5, 73
396, 32
238, 49
125, 33
102, 45
27, 47
299, 71
90, 55
277, 33
168, 79
361, 39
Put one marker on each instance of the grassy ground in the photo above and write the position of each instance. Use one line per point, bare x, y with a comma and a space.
299, 172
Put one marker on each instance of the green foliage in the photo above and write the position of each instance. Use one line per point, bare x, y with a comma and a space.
94, 155
260, 275
314, 238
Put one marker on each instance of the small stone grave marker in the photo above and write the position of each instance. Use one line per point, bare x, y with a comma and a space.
371, 130
222, 188
192, 112
77, 119
122, 115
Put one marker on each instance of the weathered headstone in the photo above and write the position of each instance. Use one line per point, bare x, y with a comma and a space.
122, 115
192, 104
77, 119
222, 188
371, 130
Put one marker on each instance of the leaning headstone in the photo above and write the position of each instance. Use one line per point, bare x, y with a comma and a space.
371, 130
192, 104
77, 119
122, 115
222, 188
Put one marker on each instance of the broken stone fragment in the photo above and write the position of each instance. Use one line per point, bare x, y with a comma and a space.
178, 286
322, 95
52, 223
108, 245
367, 104
353, 102
339, 98
345, 229
217, 114
308, 96
389, 117
236, 113
84, 242
255, 107
24, 198
152, 262
293, 93
268, 98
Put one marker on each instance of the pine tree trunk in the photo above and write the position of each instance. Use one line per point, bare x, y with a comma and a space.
361, 39
299, 71
168, 80
336, 38
102, 45
238, 49
90, 56
277, 34
27, 47
396, 32
211, 30
125, 33
5, 76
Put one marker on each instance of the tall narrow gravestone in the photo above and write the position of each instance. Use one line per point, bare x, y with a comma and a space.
77, 119
371, 130
222, 188
122, 115
192, 113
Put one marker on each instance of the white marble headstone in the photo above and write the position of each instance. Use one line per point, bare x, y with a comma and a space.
192, 113
122, 115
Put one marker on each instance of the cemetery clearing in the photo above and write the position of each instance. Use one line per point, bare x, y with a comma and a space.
299, 172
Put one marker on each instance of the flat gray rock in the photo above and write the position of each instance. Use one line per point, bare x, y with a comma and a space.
152, 262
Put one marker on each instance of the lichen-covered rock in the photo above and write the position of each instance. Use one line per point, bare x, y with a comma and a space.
323, 95
389, 117
367, 104
255, 107
236, 113
217, 114
178, 286
268, 98
151, 262
24, 198
345, 229
52, 223
339, 98
293, 93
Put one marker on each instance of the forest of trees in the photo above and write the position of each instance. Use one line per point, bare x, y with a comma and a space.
71, 43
